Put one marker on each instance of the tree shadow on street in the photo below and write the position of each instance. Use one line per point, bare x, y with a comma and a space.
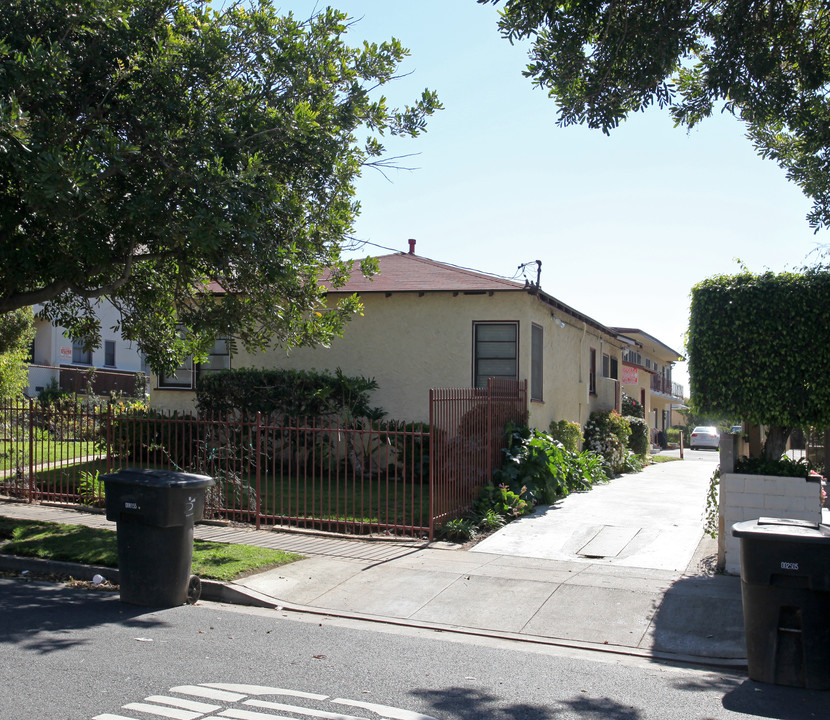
460, 703
777, 702
45, 617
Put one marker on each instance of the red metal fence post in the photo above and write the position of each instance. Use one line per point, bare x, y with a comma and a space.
31, 451
257, 461
432, 447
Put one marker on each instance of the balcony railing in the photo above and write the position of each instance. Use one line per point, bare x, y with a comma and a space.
665, 386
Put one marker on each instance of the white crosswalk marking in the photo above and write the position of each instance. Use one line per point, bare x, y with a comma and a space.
186, 704
172, 713
302, 711
250, 715
385, 711
225, 701
209, 693
263, 690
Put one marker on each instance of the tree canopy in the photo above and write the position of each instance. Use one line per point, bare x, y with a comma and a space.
759, 350
17, 330
765, 61
196, 167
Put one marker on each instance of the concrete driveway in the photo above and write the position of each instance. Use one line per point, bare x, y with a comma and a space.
652, 519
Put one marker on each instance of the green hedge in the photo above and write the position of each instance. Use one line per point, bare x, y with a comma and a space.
759, 348
291, 393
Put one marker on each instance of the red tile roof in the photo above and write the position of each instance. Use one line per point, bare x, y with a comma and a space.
406, 272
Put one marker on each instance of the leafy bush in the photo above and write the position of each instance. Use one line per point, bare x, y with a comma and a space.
632, 462
783, 467
490, 520
541, 465
566, 432
638, 441
502, 501
91, 489
291, 393
673, 435
631, 407
51, 393
458, 530
607, 434
711, 516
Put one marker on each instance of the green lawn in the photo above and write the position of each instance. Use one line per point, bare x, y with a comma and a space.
360, 500
89, 546
14, 453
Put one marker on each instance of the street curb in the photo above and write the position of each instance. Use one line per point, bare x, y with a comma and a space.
76, 571
231, 594
246, 596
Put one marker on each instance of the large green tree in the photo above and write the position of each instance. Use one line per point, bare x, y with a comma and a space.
196, 167
765, 61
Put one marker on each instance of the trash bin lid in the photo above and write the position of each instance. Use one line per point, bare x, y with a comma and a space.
159, 478
789, 529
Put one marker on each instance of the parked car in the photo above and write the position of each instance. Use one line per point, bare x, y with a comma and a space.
736, 429
704, 436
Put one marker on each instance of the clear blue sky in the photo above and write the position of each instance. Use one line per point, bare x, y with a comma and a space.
624, 224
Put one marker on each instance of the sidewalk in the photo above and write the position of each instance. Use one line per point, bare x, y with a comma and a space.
644, 587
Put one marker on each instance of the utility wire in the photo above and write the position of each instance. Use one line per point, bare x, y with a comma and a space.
362, 243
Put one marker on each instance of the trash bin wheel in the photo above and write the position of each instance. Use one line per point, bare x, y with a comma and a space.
194, 589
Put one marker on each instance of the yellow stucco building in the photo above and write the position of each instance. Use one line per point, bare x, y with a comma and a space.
646, 377
427, 324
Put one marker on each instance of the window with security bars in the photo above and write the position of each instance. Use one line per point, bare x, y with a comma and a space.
495, 351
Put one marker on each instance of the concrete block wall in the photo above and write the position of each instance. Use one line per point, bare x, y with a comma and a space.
748, 497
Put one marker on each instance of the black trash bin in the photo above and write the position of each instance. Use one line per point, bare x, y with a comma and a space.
155, 511
785, 585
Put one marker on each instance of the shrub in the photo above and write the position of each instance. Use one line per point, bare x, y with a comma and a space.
502, 501
490, 520
607, 434
633, 462
51, 393
281, 393
566, 432
91, 489
638, 441
541, 465
631, 407
458, 530
783, 467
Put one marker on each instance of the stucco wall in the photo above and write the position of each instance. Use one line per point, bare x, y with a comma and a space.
50, 340
411, 342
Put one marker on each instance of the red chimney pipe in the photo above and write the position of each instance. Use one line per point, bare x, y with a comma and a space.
411, 246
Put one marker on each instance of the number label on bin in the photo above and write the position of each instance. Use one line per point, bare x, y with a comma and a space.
789, 566
131, 506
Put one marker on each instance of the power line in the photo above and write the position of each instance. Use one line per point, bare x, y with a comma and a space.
361, 243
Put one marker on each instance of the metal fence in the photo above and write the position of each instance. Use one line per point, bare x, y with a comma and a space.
360, 477
467, 439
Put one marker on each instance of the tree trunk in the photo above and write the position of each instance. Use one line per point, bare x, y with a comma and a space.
776, 442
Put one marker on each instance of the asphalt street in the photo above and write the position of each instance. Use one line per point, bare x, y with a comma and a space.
72, 654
